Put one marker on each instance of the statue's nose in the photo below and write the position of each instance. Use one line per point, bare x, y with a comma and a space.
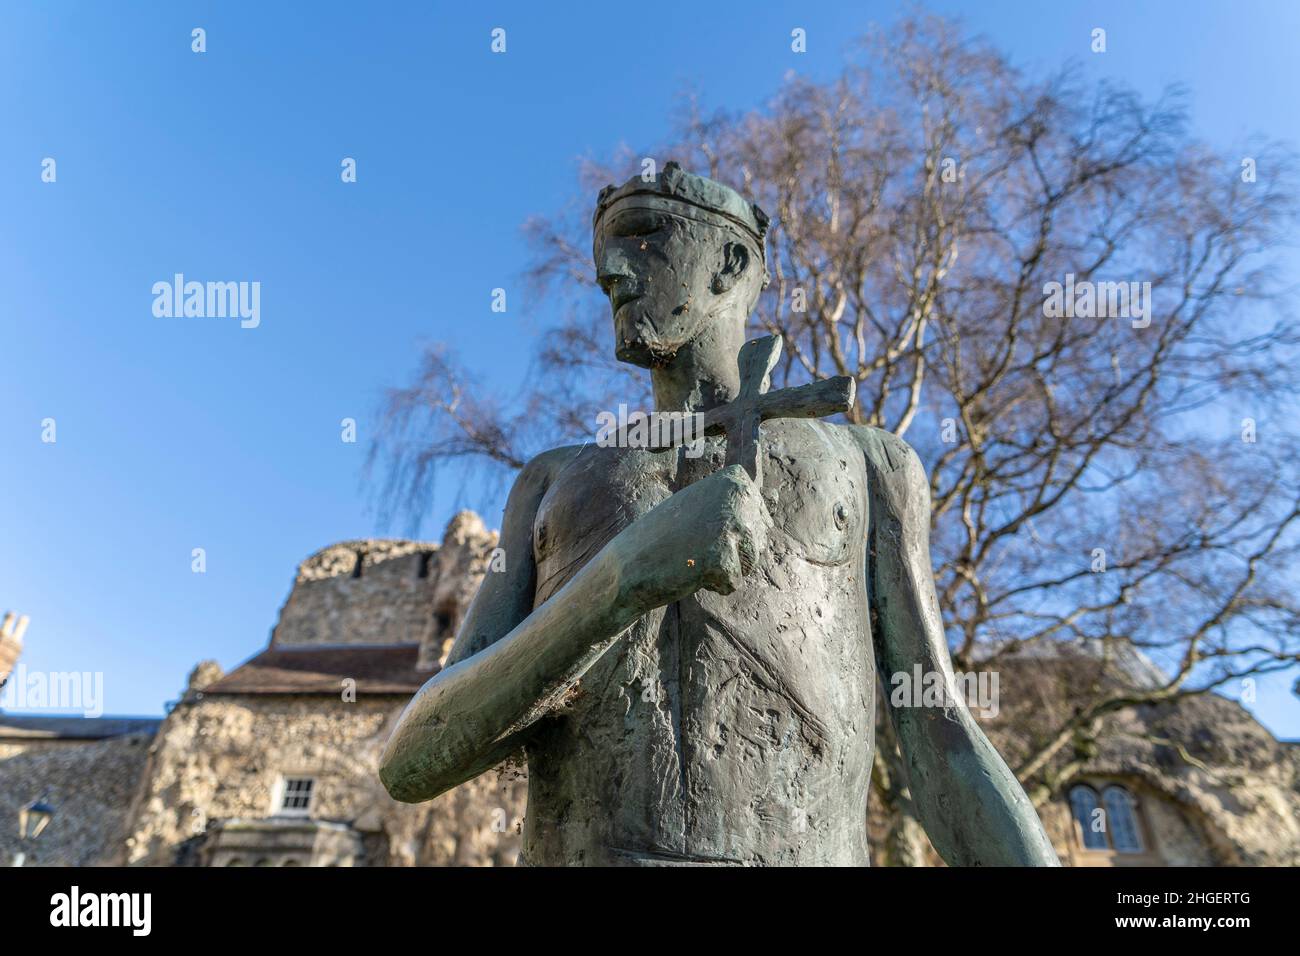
612, 269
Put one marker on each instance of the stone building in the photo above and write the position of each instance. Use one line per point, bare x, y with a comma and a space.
1194, 781
275, 763
89, 767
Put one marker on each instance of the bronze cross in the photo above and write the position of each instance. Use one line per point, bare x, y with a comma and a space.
740, 418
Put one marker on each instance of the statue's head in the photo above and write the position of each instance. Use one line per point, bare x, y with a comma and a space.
675, 255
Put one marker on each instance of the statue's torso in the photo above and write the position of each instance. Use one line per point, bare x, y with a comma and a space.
726, 729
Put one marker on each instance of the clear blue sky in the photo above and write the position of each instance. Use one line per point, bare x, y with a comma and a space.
176, 434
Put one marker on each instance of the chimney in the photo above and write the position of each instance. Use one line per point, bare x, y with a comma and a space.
14, 626
12, 629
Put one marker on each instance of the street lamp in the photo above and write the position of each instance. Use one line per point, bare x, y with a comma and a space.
32, 821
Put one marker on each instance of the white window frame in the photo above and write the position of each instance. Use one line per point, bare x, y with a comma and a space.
282, 793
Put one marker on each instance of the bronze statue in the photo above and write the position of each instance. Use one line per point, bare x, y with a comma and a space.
685, 647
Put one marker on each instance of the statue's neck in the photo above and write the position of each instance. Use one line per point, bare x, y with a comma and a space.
703, 374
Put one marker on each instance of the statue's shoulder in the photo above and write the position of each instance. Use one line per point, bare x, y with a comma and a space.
886, 453
542, 468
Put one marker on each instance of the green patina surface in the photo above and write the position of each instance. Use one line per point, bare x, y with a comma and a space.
685, 648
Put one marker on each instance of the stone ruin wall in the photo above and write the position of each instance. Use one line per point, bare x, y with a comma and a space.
360, 592
380, 591
220, 756
90, 782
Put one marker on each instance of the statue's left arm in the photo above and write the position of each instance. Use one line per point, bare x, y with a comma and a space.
971, 805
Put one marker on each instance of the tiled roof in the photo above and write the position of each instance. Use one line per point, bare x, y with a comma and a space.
322, 670
32, 727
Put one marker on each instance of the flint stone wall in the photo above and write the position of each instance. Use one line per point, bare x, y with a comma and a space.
360, 592
219, 757
90, 784
1214, 786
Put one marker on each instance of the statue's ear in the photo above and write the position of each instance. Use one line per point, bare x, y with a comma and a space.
735, 261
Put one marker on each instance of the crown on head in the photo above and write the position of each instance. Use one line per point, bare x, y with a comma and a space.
675, 185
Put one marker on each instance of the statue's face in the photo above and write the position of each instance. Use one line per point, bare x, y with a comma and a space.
666, 277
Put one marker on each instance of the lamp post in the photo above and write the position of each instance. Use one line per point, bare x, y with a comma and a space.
32, 821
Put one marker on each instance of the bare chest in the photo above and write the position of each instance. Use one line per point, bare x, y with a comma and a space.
740, 724
814, 486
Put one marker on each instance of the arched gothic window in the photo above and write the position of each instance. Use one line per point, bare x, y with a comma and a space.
1084, 806
1109, 822
1121, 820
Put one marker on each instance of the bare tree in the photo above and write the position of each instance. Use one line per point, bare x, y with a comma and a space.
1121, 481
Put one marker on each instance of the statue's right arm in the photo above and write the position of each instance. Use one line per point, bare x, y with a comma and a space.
513, 663
421, 759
